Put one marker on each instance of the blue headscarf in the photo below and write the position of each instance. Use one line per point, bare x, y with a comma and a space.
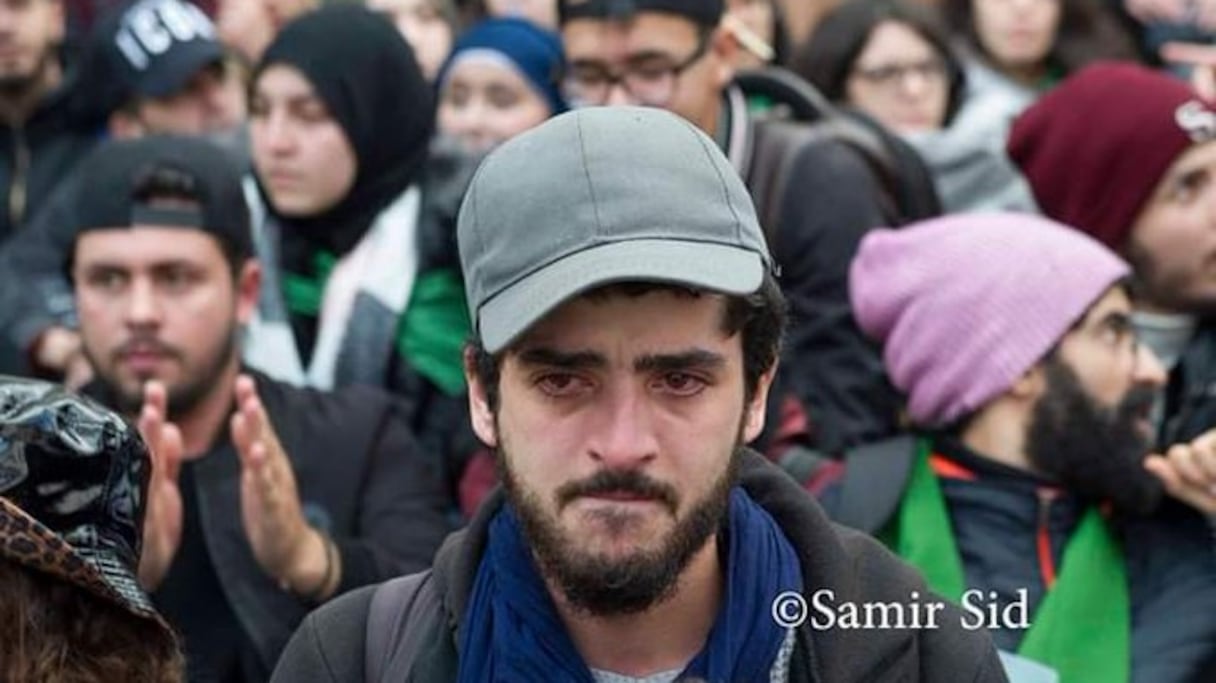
534, 52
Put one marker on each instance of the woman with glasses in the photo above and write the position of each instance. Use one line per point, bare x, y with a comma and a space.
893, 63
888, 60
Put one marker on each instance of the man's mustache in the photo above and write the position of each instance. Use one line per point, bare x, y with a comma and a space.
627, 481
147, 345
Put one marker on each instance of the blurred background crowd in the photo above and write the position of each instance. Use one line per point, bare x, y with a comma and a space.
345, 134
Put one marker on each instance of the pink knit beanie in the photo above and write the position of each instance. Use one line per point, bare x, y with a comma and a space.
965, 304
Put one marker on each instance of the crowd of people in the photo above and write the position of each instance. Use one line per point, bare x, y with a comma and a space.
525, 340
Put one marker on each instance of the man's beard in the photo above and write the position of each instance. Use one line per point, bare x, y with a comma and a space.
598, 585
1163, 288
18, 85
183, 397
1093, 451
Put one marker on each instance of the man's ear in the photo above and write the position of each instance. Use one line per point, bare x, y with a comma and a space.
480, 413
124, 125
1031, 384
757, 408
724, 46
248, 290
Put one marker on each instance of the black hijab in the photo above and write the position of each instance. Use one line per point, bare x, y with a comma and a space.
366, 74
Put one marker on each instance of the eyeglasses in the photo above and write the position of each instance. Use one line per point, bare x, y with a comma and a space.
889, 76
650, 80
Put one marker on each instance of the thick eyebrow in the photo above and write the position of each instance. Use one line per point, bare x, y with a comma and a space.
649, 54
694, 359
635, 58
158, 266
567, 360
1118, 320
1182, 174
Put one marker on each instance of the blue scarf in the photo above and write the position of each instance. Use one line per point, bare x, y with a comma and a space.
512, 632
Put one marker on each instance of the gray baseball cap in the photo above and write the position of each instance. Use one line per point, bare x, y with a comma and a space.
596, 196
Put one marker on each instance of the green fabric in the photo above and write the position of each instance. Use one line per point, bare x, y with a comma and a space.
760, 104
1082, 628
304, 293
430, 335
434, 329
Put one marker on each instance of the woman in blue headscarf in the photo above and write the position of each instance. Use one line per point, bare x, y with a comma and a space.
502, 78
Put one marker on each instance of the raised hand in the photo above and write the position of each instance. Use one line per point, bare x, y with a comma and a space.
1188, 472
285, 546
163, 513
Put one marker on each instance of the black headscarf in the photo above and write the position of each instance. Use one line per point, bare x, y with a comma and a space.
366, 75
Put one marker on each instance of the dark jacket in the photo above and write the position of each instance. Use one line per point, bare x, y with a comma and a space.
38, 153
830, 202
361, 479
1011, 527
1191, 394
330, 643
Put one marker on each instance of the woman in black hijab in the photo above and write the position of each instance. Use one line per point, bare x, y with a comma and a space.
359, 225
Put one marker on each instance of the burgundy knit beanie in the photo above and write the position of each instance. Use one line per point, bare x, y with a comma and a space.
965, 304
1095, 147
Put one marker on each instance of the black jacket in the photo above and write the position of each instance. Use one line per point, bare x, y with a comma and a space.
831, 200
361, 478
330, 643
1002, 516
1191, 394
38, 153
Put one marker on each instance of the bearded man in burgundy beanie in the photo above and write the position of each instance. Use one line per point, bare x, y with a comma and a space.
1022, 491
1128, 155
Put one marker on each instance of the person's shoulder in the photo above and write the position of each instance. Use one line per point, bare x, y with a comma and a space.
330, 644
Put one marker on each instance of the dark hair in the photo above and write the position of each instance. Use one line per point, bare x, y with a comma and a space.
761, 317
827, 58
55, 631
167, 184
1088, 31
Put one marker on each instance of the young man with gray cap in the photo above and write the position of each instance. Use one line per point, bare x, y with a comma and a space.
627, 326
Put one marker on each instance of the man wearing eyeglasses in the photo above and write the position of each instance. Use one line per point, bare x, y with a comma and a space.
678, 55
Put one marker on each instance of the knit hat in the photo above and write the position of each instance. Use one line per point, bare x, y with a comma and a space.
1095, 147
531, 51
967, 303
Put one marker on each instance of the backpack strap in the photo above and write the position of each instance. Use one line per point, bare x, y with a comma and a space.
777, 145
805, 116
875, 477
396, 625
